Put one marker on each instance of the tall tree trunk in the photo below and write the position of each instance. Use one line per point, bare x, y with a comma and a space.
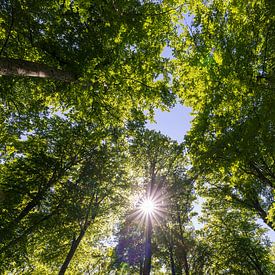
148, 221
184, 254
76, 242
148, 248
19, 67
172, 262
74, 246
141, 266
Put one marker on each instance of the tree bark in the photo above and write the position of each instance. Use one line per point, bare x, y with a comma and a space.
172, 262
19, 67
74, 246
148, 248
76, 242
141, 266
184, 254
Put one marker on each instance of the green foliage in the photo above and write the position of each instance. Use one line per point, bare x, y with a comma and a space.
113, 48
235, 243
72, 154
225, 72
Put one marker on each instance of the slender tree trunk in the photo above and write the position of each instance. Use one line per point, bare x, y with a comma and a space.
149, 226
185, 263
74, 246
172, 262
141, 266
19, 67
148, 248
184, 254
76, 242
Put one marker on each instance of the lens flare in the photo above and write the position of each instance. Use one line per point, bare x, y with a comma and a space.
148, 207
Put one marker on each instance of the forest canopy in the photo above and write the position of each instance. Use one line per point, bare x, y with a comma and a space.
85, 188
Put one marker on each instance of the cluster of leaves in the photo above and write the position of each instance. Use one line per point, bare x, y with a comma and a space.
64, 164
112, 49
238, 245
225, 72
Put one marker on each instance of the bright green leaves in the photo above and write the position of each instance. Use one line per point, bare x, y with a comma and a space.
223, 71
113, 48
64, 147
236, 244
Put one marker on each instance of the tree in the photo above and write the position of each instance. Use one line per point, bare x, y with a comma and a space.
157, 155
111, 50
67, 208
236, 244
100, 184
225, 73
160, 166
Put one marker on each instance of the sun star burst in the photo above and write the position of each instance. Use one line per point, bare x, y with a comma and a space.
148, 206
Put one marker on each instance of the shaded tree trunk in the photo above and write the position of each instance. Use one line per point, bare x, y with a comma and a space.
19, 67
141, 266
76, 242
74, 246
149, 226
172, 262
184, 254
148, 248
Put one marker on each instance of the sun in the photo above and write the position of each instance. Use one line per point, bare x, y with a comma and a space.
148, 207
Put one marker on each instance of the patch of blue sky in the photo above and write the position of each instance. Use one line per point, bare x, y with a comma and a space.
174, 123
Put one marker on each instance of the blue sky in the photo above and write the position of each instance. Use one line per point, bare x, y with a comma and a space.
174, 124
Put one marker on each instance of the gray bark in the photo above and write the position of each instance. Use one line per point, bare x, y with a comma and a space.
19, 67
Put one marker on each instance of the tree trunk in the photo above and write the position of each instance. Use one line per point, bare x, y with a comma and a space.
148, 248
19, 67
184, 254
141, 266
172, 262
74, 246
